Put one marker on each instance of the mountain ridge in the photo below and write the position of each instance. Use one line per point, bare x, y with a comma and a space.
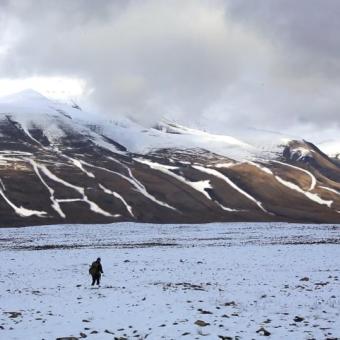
59, 164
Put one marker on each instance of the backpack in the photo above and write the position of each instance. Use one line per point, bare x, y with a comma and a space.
94, 268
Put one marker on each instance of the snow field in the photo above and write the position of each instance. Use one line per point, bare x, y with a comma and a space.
231, 279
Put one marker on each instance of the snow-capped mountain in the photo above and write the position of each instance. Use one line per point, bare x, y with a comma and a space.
59, 164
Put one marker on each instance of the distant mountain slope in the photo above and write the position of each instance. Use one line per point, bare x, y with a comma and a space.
59, 164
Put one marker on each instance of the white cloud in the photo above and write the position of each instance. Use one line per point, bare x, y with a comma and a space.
53, 87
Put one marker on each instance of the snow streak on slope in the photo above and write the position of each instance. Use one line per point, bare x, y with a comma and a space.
262, 168
313, 179
121, 198
226, 208
330, 189
222, 165
21, 211
25, 129
79, 164
55, 203
313, 197
2, 185
232, 184
200, 186
132, 180
93, 206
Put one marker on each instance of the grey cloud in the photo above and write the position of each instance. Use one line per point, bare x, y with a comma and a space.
309, 25
224, 63
307, 68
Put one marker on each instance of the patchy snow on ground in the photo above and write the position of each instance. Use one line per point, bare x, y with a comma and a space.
210, 281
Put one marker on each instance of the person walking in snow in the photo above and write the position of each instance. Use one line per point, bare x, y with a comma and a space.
96, 271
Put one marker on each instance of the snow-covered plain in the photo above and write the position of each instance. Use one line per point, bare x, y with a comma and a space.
210, 281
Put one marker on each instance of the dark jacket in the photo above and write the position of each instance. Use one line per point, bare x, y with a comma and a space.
96, 269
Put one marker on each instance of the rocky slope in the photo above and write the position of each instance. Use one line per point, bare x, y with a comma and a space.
61, 165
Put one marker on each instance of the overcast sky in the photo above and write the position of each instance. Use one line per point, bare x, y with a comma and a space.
271, 65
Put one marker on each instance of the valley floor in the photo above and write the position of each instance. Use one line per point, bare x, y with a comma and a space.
211, 281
